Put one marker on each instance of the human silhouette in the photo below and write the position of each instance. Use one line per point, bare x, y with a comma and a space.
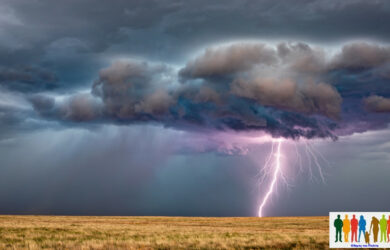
375, 228
367, 238
388, 229
383, 226
338, 224
362, 226
354, 228
346, 228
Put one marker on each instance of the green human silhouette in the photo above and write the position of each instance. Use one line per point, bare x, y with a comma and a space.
338, 224
383, 226
375, 228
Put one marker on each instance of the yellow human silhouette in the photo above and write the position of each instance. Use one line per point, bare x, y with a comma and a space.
346, 228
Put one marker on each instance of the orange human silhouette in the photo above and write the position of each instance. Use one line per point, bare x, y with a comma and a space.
388, 229
346, 228
375, 228
354, 228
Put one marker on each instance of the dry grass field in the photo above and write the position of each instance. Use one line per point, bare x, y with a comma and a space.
89, 232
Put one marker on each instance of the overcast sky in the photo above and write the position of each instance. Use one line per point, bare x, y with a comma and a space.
170, 107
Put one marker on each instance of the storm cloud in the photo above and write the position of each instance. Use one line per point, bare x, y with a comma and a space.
228, 60
289, 89
377, 104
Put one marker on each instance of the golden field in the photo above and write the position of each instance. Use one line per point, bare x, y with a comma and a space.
103, 232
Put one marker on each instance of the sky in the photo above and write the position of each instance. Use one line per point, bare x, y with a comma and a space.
172, 107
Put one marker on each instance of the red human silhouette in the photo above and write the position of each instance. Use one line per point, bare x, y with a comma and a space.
354, 228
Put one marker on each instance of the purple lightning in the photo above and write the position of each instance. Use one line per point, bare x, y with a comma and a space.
298, 153
277, 165
273, 166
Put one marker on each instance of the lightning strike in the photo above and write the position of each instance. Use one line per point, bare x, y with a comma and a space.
276, 174
273, 168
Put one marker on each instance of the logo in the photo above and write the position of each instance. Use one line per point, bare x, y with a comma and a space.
359, 229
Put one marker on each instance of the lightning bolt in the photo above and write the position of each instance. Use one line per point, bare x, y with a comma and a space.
277, 164
273, 166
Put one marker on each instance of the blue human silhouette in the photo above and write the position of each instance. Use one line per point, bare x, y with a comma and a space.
362, 226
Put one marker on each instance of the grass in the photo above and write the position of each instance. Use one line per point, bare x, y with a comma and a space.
101, 232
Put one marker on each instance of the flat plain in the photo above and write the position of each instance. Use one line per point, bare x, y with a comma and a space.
114, 232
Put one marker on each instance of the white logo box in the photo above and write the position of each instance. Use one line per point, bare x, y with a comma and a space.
362, 243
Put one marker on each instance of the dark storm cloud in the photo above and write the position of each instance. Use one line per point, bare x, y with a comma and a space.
285, 94
291, 90
132, 91
361, 56
377, 103
67, 39
307, 20
97, 23
79, 107
129, 89
278, 90
16, 114
16, 121
27, 79
241, 86
216, 62
70, 38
